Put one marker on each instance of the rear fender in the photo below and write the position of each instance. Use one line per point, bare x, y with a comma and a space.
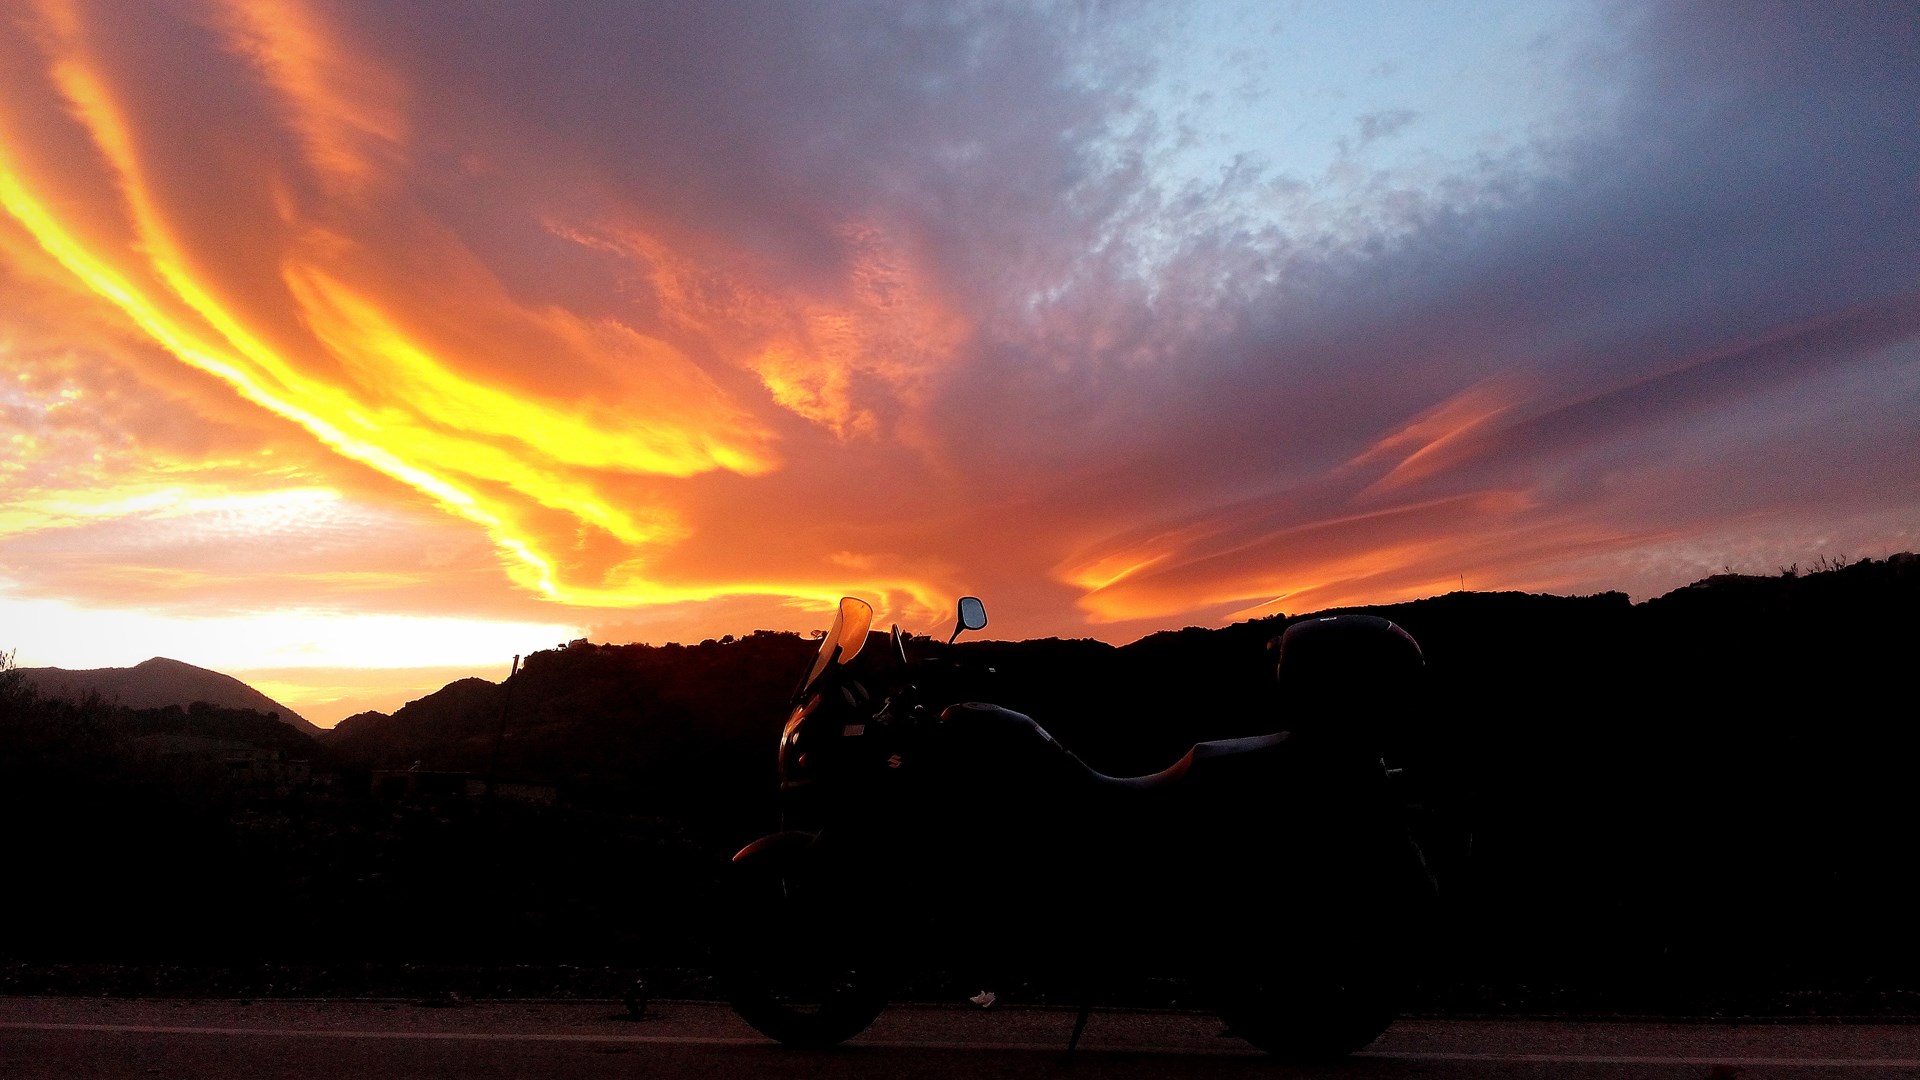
774, 844
1351, 679
1345, 655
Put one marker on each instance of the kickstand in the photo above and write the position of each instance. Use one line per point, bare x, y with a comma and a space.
1079, 1026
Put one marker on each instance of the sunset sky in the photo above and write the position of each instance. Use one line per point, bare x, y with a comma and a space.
350, 346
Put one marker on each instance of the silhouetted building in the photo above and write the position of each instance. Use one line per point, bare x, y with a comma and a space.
395, 784
247, 765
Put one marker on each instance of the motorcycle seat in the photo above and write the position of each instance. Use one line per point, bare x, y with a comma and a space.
1209, 758
1203, 756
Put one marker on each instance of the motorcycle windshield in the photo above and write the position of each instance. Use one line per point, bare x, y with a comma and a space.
843, 642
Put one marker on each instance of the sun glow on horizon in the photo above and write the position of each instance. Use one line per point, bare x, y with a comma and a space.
54, 633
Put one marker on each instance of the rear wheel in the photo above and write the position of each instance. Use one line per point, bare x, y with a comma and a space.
1326, 989
1302, 1019
796, 962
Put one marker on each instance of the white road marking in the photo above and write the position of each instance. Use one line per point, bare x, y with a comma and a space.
320, 1033
1638, 1059
905, 1044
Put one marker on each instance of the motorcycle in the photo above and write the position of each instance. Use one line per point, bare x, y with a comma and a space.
1276, 872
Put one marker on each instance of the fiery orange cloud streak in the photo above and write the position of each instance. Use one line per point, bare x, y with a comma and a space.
1376, 555
811, 354
482, 452
1431, 441
342, 106
179, 340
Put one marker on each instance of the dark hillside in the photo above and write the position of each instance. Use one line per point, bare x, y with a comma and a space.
122, 823
448, 725
1630, 806
687, 730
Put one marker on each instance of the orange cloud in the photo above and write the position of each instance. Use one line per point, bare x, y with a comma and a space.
1436, 439
852, 359
393, 392
1315, 562
519, 419
348, 111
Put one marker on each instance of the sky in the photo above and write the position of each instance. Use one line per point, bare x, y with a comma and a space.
350, 347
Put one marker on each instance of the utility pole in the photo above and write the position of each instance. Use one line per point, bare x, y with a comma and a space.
500, 732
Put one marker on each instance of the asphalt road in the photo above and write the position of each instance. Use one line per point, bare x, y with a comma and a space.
68, 1038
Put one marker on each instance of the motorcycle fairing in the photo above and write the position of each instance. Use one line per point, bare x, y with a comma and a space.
843, 641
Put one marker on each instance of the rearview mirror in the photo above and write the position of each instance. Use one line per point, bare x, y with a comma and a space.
973, 616
973, 613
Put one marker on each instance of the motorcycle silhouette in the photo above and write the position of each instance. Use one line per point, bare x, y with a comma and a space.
1276, 872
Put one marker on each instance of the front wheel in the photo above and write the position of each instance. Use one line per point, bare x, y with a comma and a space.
796, 963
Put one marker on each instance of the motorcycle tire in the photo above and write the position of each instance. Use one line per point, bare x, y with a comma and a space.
794, 963
1328, 995
1302, 1023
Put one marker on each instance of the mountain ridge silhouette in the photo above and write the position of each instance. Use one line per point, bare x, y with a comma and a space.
159, 682
1501, 665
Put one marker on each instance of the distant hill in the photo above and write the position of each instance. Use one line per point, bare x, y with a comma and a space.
673, 729
157, 683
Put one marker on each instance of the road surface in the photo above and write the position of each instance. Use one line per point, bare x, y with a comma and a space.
112, 1039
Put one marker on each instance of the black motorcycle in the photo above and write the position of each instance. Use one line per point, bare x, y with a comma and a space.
1276, 873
